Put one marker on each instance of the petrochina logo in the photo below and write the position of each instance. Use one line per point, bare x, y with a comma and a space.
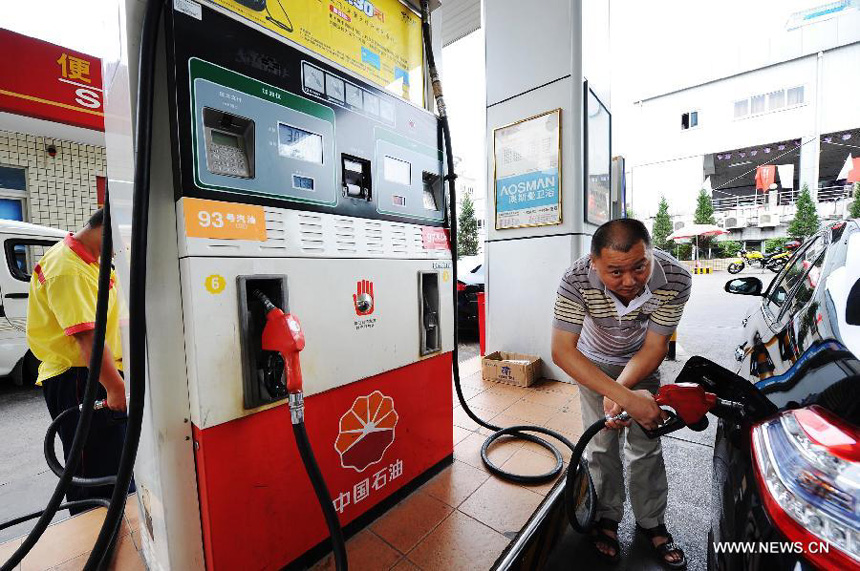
362, 299
366, 431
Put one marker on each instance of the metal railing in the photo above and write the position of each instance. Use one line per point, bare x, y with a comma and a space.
783, 197
735, 202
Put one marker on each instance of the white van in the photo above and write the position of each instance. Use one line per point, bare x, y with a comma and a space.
23, 244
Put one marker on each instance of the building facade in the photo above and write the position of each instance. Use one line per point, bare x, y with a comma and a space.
52, 157
797, 113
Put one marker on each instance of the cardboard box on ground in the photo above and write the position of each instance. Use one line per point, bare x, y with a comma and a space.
516, 369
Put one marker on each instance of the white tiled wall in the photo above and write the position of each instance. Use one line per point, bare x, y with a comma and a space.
61, 190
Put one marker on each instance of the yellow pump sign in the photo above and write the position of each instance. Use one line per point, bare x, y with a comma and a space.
379, 40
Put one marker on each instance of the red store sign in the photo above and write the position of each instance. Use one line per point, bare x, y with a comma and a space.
41, 80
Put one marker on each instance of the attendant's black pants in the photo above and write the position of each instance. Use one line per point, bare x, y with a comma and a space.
101, 453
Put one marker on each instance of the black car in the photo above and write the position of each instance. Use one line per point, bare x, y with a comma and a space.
470, 282
786, 488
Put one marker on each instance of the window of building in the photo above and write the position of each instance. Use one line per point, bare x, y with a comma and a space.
11, 208
13, 193
757, 104
12, 178
795, 96
689, 120
742, 108
776, 100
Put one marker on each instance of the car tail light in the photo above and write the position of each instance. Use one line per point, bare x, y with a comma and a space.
461, 286
807, 462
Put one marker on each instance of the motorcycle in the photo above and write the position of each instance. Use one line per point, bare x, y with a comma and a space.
774, 261
778, 261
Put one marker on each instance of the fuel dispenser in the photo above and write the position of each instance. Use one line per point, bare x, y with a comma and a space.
287, 171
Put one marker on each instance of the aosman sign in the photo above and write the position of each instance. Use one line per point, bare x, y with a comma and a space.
41, 80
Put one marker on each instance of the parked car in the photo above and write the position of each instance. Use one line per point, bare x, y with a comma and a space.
470, 281
793, 478
785, 490
23, 245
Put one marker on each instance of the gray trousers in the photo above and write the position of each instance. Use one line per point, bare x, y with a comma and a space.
648, 485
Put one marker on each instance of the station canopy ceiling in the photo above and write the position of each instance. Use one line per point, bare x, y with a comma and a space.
459, 19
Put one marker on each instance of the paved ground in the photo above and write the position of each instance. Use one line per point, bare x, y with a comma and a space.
711, 327
26, 483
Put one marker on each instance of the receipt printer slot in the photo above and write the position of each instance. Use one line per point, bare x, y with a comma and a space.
356, 177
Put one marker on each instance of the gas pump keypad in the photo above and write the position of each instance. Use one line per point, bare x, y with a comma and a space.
229, 142
227, 160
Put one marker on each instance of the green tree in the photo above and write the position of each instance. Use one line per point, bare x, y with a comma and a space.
704, 209
704, 215
805, 222
684, 252
629, 212
467, 228
662, 226
854, 210
729, 248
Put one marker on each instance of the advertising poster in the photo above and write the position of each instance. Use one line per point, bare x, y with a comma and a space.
527, 172
380, 39
598, 157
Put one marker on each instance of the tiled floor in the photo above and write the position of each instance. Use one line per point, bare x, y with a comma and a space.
461, 519
464, 518
66, 545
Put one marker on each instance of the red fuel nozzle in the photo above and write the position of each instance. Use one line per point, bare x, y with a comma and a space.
283, 333
689, 400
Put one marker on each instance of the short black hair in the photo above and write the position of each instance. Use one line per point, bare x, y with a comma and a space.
619, 235
97, 219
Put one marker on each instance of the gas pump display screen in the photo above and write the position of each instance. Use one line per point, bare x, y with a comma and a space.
303, 182
225, 139
397, 171
299, 144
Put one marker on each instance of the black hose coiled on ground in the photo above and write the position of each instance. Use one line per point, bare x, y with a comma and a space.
316, 478
450, 177
83, 428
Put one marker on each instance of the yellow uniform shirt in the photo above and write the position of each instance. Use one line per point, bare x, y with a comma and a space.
62, 302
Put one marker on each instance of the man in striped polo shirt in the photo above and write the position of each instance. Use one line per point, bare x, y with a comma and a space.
615, 312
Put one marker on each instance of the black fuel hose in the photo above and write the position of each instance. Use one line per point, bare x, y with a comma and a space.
306, 452
55, 465
571, 502
90, 503
83, 428
513, 431
324, 498
137, 279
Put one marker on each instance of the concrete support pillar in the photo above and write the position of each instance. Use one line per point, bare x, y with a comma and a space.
535, 65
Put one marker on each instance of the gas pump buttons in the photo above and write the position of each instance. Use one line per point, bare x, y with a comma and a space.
356, 177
